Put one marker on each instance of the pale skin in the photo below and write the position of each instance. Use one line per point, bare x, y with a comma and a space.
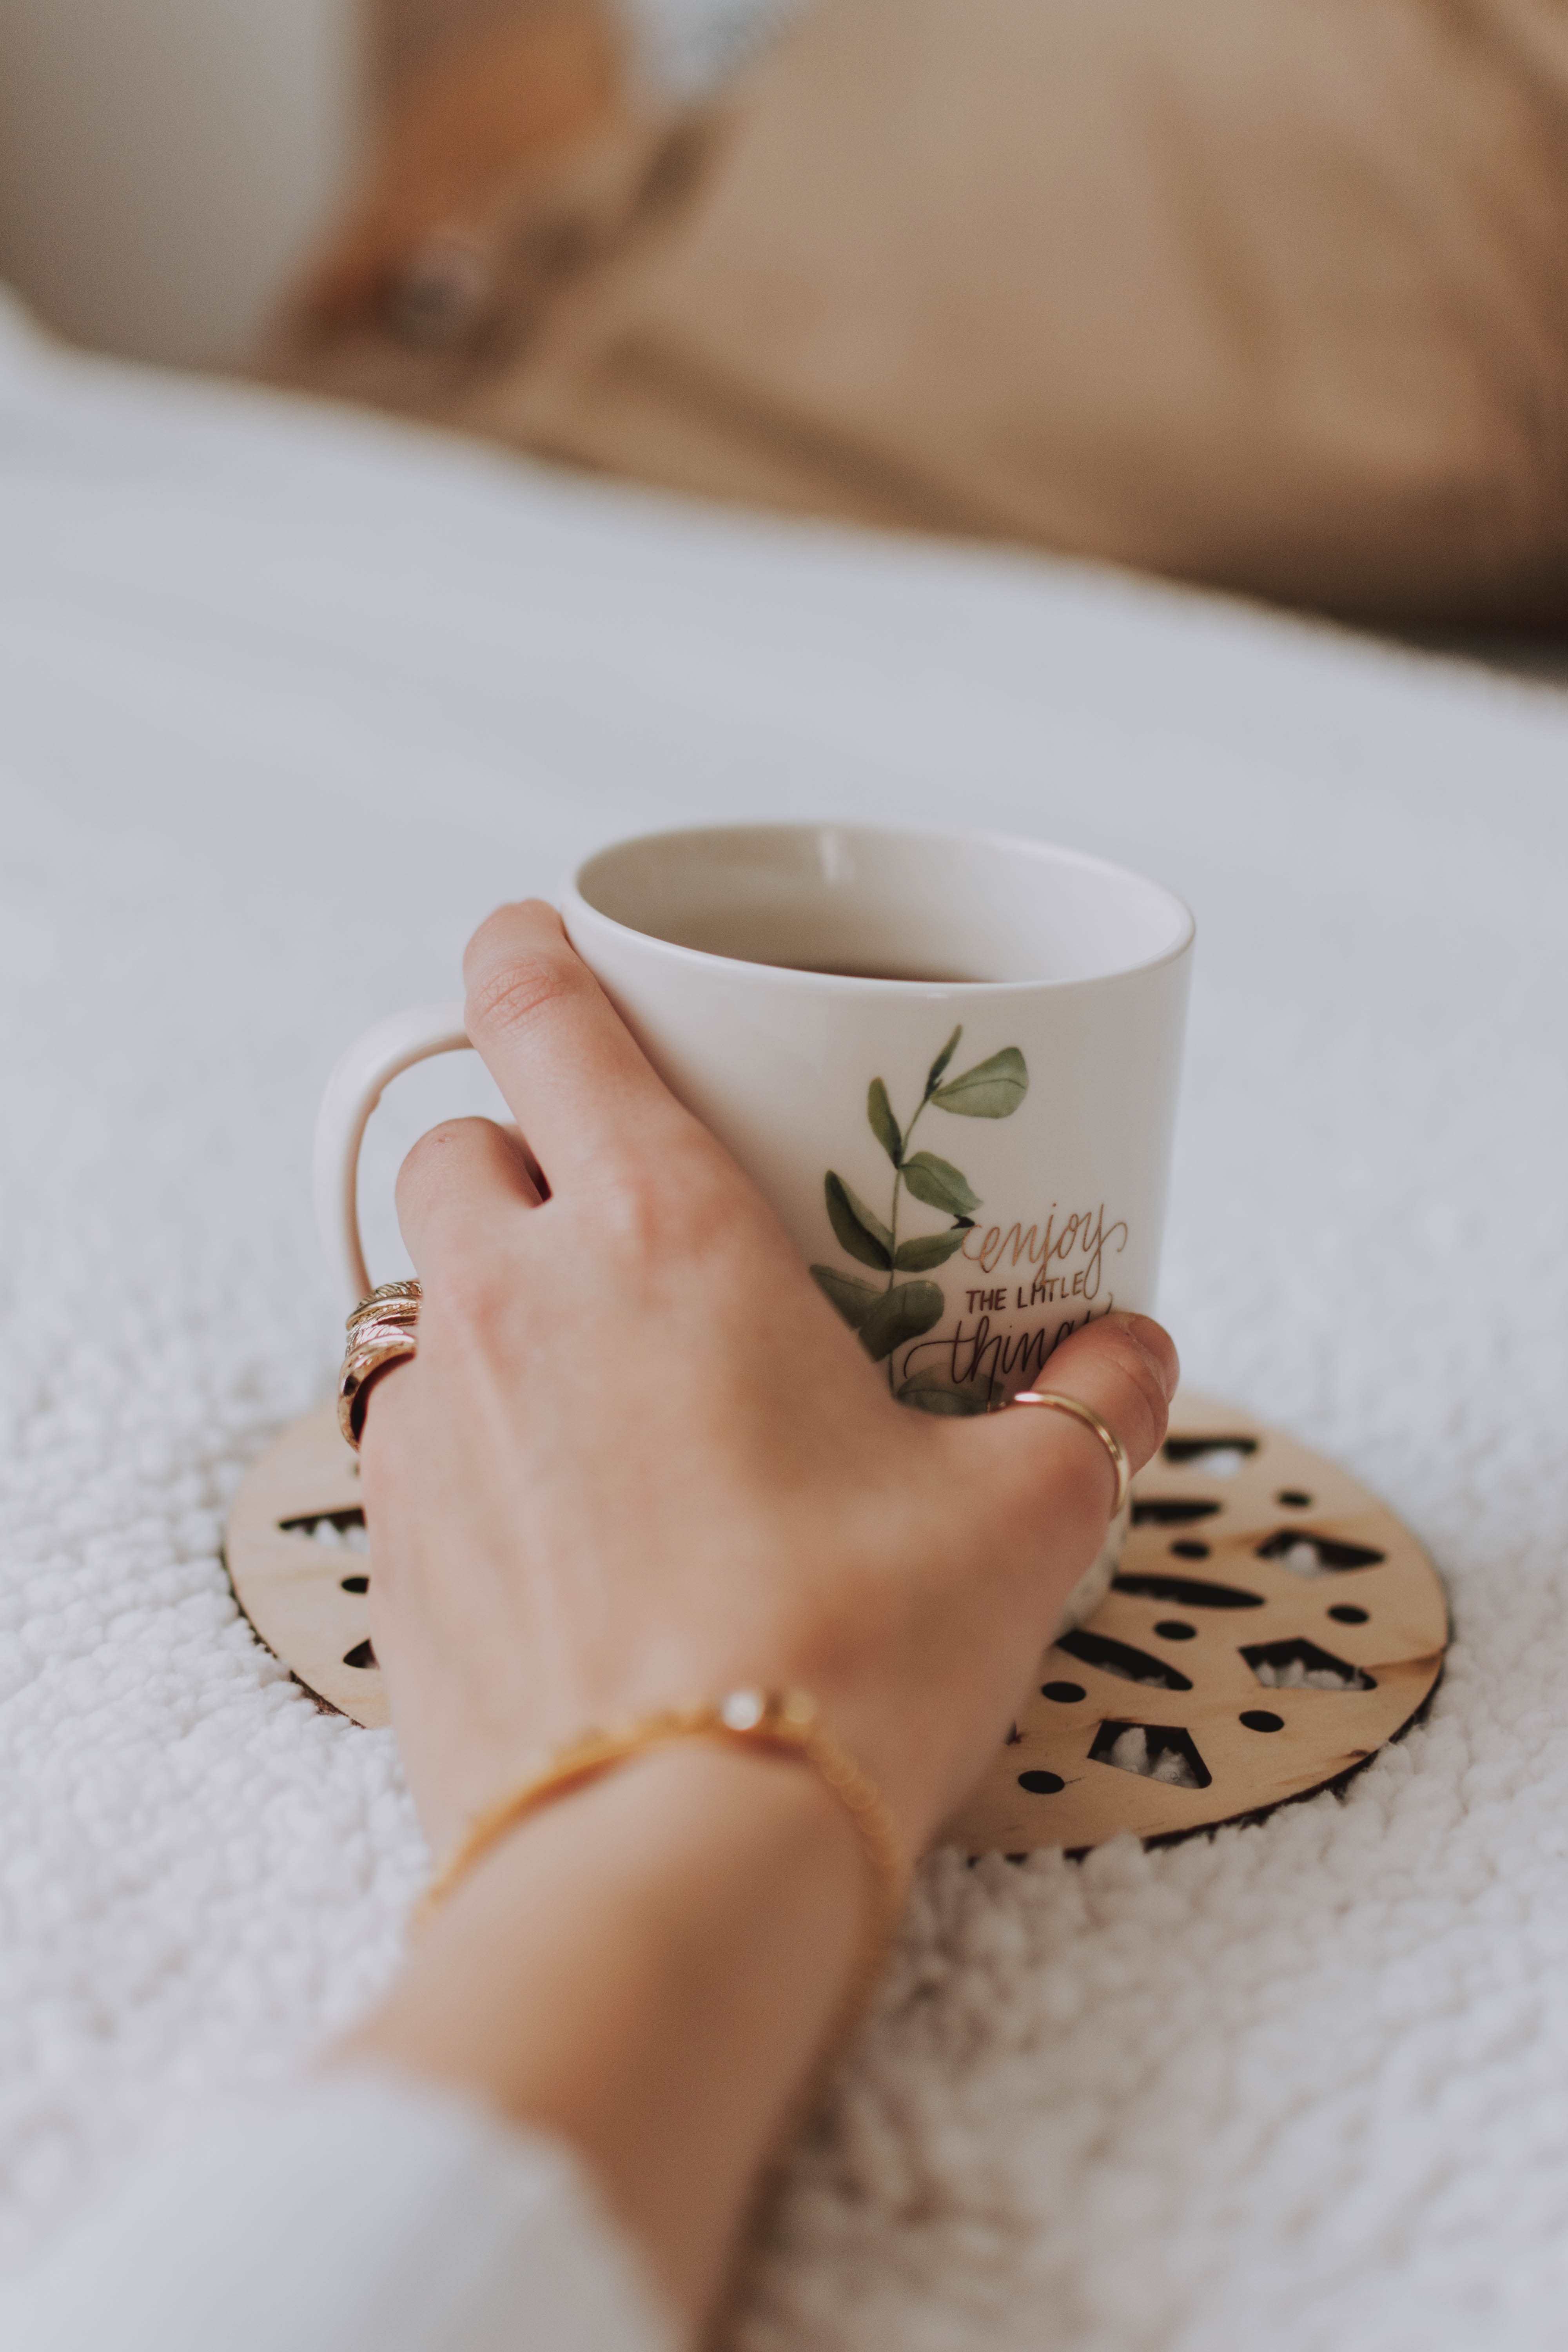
637, 1462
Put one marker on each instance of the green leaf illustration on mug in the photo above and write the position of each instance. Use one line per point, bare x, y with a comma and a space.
992, 1090
928, 1249
863, 1235
940, 1184
884, 1126
889, 1316
932, 1391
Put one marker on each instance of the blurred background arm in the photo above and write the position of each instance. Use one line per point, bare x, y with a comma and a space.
164, 168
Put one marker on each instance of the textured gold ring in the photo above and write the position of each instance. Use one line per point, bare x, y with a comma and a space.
383, 1330
1092, 1422
393, 1302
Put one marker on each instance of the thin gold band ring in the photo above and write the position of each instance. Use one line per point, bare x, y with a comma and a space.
1091, 1421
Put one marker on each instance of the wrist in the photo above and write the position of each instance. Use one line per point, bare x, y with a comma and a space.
671, 1832
747, 1720
648, 1968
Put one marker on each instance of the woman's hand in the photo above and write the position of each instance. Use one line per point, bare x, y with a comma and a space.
639, 1461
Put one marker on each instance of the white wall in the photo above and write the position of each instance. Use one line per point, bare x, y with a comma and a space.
162, 161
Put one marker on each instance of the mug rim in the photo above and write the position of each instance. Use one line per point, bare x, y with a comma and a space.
1046, 852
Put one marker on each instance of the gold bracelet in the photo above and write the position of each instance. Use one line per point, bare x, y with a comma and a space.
784, 1723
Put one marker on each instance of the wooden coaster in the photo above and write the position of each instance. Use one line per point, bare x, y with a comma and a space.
1271, 1627
297, 1558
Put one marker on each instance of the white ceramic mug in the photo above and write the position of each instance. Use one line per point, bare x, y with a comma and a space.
949, 1060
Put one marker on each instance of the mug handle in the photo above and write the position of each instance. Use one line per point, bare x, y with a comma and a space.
352, 1092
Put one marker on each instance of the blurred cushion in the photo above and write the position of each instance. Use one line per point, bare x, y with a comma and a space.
1268, 294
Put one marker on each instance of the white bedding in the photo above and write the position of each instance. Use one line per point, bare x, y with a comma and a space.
287, 701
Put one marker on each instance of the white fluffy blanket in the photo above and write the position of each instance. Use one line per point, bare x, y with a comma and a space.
289, 701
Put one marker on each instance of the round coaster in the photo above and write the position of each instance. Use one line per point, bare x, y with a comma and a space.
297, 1558
1270, 1627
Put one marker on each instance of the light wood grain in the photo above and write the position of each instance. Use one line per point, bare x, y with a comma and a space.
290, 1586
1325, 1734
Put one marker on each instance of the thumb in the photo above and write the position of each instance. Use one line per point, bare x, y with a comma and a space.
1124, 1369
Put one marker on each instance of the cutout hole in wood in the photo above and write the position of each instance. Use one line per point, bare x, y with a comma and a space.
1063, 1694
1306, 1554
362, 1654
1347, 1613
355, 1583
1170, 1510
1158, 1751
1120, 1658
1172, 1629
1300, 1664
1222, 1457
1042, 1784
1189, 1548
1293, 1499
345, 1530
1185, 1591
1258, 1718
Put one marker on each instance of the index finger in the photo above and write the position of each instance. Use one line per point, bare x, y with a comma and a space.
580, 1088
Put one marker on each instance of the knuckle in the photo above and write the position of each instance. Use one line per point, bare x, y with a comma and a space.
642, 1187
636, 1213
425, 1158
467, 1299
512, 995
426, 1164
679, 1206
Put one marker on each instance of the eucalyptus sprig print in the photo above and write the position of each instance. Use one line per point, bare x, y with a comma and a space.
887, 1315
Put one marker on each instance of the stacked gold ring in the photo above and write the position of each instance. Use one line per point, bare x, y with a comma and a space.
382, 1329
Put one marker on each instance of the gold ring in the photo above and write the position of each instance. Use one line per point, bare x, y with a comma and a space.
393, 1302
1092, 1420
383, 1330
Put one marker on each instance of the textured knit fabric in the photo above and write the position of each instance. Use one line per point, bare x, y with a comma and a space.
287, 700
352, 2213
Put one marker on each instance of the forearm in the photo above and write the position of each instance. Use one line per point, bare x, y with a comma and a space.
647, 1969
591, 1490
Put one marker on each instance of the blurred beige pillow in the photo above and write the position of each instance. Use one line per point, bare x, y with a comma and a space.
1268, 294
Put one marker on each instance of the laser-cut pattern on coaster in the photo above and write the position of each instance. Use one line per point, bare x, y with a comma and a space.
1271, 1627
300, 1567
